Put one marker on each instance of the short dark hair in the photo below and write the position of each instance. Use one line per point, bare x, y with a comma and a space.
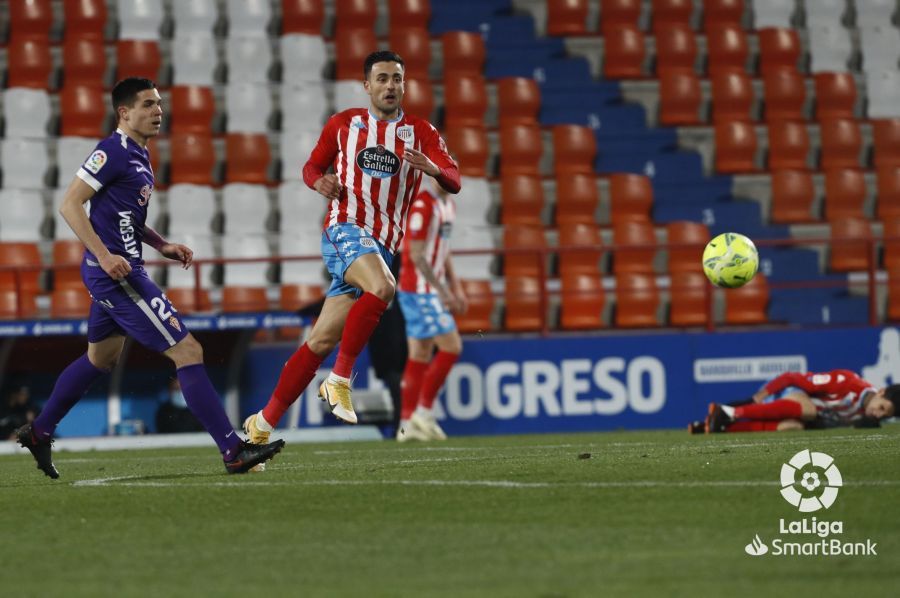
125, 92
380, 56
892, 394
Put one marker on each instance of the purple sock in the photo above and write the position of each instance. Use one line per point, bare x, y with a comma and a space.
69, 388
204, 403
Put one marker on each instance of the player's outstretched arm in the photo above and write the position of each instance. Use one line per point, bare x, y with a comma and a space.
72, 210
173, 251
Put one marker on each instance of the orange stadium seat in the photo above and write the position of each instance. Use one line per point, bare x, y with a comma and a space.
302, 16
464, 53
672, 12
841, 143
694, 236
680, 98
623, 52
523, 304
84, 62
193, 108
676, 48
793, 194
778, 48
413, 43
891, 233
85, 19
580, 261
418, 98
82, 112
732, 96
355, 14
788, 146
192, 159
835, 95
351, 48
521, 147
481, 306
469, 145
722, 12
137, 58
574, 150
785, 95
619, 12
690, 295
523, 263
31, 19
188, 300
736, 147
465, 100
641, 241
567, 17
70, 302
14, 305
297, 296
747, 304
247, 157
727, 49
577, 198
888, 182
67, 252
521, 199
631, 198
409, 13
893, 306
29, 63
582, 301
244, 299
519, 100
850, 248
845, 194
637, 300
20, 255
886, 142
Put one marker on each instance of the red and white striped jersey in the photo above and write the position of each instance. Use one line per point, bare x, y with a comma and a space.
836, 394
430, 220
378, 184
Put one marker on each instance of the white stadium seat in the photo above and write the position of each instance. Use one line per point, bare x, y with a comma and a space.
248, 107
191, 209
23, 214
303, 57
203, 249
875, 12
246, 208
194, 16
830, 48
772, 13
824, 12
473, 203
301, 271
349, 94
472, 267
302, 209
249, 17
194, 59
71, 152
140, 19
61, 228
250, 274
26, 112
880, 46
884, 94
24, 163
304, 106
295, 150
248, 58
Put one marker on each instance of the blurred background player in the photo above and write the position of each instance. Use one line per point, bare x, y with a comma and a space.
378, 155
118, 181
429, 293
798, 400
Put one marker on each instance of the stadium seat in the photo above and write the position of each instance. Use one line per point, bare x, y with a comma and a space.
574, 150
84, 62
635, 247
70, 302
522, 262
676, 48
464, 53
583, 300
469, 145
523, 304
567, 17
637, 300
194, 59
829, 47
140, 19
779, 48
249, 60
793, 194
418, 99
300, 208
26, 112
414, 45
623, 53
31, 19
671, 12
690, 298
825, 12
732, 96
522, 199
481, 306
67, 257
631, 198
137, 58
476, 266
302, 16
835, 95
521, 147
191, 210
24, 164
850, 249
295, 150
189, 300
194, 17
247, 157
747, 304
785, 95
156, 163
883, 94
350, 94
845, 194
723, 12
61, 229
300, 271
886, 142
351, 48
249, 18
577, 198
891, 235
587, 259
193, 108
85, 19
27, 257
309, 105
619, 12
193, 159
841, 142
788, 146
680, 98
888, 182
249, 107
246, 208
691, 237
202, 245
303, 58
297, 296
893, 306
409, 13
727, 49
518, 100
71, 152
772, 13
246, 274
28, 63
241, 299
82, 111
736, 147
354, 14
874, 12
14, 306
880, 46
465, 101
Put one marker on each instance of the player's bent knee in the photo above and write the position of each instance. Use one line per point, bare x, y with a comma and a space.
321, 345
187, 352
385, 290
789, 425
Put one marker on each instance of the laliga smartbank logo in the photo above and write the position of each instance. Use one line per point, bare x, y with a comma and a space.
810, 482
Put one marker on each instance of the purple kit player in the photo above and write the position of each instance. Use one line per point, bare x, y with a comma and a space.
118, 181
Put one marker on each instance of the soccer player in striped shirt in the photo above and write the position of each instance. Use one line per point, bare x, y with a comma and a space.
429, 294
795, 400
379, 156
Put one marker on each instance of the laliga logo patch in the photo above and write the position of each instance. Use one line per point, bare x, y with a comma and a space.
405, 133
810, 481
173, 322
146, 191
378, 162
95, 162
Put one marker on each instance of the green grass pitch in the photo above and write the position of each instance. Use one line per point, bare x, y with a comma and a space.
645, 514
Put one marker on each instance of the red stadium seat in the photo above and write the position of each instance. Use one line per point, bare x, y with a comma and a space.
192, 159
778, 48
631, 198
891, 234
352, 46
785, 95
521, 199
580, 261
354, 15
747, 304
188, 300
84, 62
637, 300
672, 12
845, 194
788, 146
82, 111
886, 142
893, 306
244, 299
469, 145
31, 19
567, 17
850, 249
418, 99
465, 101
297, 296
676, 48
519, 100
727, 49
20, 255
481, 306
680, 98
835, 95
521, 147
15, 305
693, 237
574, 150
137, 58
793, 194
619, 12
70, 302
722, 12
247, 158
523, 304
464, 53
582, 302
732, 96
28, 63
414, 45
639, 240
193, 108
67, 253
841, 143
690, 299
888, 181
623, 53
409, 13
85, 19
302, 16
523, 263
736, 147
577, 198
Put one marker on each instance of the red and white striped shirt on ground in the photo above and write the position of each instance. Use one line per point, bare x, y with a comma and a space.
430, 220
377, 183
837, 394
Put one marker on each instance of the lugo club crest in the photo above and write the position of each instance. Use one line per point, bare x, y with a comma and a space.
378, 162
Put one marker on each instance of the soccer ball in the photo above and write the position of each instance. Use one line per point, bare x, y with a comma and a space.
730, 260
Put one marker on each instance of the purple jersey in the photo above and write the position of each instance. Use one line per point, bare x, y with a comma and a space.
119, 171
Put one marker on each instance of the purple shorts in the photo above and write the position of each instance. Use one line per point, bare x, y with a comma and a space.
135, 307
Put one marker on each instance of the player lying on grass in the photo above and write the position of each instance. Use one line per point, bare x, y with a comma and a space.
805, 400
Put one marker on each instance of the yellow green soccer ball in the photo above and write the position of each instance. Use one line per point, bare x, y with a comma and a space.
730, 260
